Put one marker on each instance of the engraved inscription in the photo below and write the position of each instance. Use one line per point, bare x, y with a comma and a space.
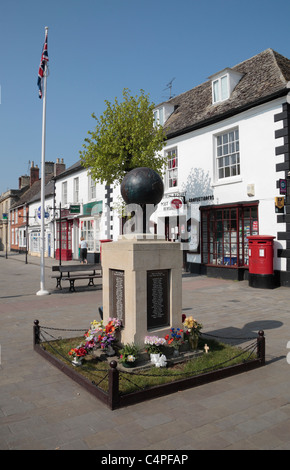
118, 291
157, 298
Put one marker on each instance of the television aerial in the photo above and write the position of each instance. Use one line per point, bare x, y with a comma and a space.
169, 87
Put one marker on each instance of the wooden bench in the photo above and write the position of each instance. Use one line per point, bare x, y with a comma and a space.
73, 272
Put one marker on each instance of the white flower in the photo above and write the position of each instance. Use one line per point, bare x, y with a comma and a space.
131, 358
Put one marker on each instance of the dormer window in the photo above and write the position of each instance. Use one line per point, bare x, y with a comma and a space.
162, 113
159, 116
220, 89
223, 84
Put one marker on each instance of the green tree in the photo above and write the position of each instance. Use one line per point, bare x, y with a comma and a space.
125, 137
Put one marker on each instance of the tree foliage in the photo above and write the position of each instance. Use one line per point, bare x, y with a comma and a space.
125, 137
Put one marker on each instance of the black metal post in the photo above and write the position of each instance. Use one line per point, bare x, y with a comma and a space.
60, 241
26, 253
36, 333
113, 398
6, 240
261, 347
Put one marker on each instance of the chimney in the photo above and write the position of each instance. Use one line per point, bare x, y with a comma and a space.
24, 181
49, 166
34, 173
59, 167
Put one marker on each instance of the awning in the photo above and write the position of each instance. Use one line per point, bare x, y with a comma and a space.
93, 208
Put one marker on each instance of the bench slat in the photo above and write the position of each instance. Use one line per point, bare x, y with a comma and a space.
83, 271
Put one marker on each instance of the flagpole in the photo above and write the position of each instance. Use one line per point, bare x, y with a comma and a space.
42, 290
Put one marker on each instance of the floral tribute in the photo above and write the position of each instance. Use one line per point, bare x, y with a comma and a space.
175, 339
129, 354
192, 326
98, 336
154, 344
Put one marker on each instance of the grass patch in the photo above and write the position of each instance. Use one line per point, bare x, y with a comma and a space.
220, 355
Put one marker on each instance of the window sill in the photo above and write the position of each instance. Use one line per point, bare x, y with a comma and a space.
225, 181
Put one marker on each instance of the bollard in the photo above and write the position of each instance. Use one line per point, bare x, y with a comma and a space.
261, 348
113, 398
36, 333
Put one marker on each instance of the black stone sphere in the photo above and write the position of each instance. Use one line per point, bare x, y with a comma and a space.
142, 186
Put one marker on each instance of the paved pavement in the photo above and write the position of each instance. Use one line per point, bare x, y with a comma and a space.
42, 409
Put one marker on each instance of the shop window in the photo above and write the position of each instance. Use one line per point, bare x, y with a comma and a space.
224, 233
87, 231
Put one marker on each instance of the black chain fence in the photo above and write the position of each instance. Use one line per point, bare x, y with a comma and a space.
106, 374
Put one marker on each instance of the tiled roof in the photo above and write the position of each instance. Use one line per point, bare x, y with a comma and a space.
33, 193
265, 76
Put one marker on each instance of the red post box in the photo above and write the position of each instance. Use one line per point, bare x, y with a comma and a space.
261, 254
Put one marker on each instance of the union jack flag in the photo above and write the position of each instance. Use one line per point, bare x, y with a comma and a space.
42, 66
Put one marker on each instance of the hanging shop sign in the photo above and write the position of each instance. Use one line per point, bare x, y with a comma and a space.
46, 214
279, 202
74, 209
283, 186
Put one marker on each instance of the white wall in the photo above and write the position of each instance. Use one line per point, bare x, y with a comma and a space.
196, 166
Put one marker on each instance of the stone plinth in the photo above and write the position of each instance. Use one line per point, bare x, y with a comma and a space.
142, 285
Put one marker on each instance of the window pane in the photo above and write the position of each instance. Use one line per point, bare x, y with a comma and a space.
227, 147
224, 88
215, 91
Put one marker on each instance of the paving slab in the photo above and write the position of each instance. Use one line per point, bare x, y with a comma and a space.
41, 408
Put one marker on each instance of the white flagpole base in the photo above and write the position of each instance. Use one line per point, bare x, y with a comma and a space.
42, 292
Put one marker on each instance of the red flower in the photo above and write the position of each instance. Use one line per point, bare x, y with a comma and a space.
110, 327
81, 352
166, 337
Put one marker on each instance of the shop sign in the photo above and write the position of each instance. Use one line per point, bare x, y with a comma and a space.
283, 186
201, 198
170, 204
46, 214
176, 203
279, 202
74, 209
5, 216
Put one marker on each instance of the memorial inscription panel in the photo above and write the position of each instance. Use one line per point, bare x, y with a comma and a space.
118, 294
157, 298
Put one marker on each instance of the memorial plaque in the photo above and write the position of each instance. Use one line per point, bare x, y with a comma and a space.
118, 292
157, 298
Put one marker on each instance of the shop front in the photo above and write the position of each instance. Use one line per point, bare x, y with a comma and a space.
64, 240
224, 232
90, 229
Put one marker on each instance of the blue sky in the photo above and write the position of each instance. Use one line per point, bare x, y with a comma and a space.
97, 48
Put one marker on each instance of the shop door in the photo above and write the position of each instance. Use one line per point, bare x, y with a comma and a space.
64, 233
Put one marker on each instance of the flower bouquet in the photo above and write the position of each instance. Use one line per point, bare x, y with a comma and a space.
78, 354
175, 339
106, 342
193, 329
129, 354
154, 344
154, 347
